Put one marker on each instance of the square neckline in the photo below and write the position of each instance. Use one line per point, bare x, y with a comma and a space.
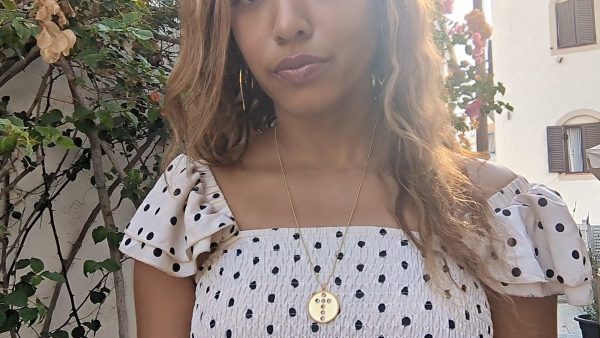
498, 197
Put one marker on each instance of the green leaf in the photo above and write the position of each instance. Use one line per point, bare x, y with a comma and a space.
22, 31
99, 234
92, 59
36, 265
142, 34
114, 238
132, 117
65, 142
97, 297
8, 144
131, 17
17, 298
9, 5
153, 114
90, 266
54, 276
59, 334
53, 116
28, 313
22, 263
106, 118
36, 280
110, 265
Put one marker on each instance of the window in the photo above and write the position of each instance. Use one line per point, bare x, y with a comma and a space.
567, 145
575, 23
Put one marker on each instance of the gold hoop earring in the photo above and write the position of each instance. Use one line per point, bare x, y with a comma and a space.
242, 91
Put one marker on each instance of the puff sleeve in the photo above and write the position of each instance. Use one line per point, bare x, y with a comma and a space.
542, 245
178, 221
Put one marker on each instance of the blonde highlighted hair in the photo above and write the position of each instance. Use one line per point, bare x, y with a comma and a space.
204, 113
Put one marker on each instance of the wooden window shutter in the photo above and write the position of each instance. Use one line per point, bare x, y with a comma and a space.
591, 138
565, 24
557, 162
584, 20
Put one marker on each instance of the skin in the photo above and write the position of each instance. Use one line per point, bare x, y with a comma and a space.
324, 134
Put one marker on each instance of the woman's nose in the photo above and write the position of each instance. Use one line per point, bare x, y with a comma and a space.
291, 21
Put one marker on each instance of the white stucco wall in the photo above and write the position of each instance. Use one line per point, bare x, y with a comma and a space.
543, 91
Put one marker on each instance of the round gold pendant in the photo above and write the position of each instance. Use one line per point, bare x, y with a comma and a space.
323, 307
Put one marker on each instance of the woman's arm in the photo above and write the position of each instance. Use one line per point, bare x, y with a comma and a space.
163, 303
533, 318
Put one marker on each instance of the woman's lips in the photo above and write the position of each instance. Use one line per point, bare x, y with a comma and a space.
299, 68
300, 75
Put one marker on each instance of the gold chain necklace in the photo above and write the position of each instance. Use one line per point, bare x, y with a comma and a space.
323, 305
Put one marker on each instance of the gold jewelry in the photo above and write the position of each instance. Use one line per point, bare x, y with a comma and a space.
323, 305
242, 91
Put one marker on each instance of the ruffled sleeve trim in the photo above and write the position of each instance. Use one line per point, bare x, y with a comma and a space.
543, 248
183, 215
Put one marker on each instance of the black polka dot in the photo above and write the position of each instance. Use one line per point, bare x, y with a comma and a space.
405, 321
560, 279
428, 305
146, 207
451, 324
217, 294
340, 255
292, 312
248, 314
255, 240
517, 192
149, 236
197, 217
428, 335
361, 243
497, 210
540, 225
360, 267
228, 333
275, 270
358, 325
381, 307
382, 253
560, 227
230, 302
536, 251
338, 281
404, 242
140, 231
516, 272
317, 245
382, 232
467, 315
575, 254
238, 252
294, 283
276, 247
317, 268
296, 235
404, 291
426, 277
270, 329
157, 252
314, 327
271, 298
339, 234
511, 242
176, 267
506, 212
296, 258
177, 192
127, 241
236, 275
212, 323
216, 195
255, 260
381, 278
359, 294
173, 220
542, 202
549, 273
404, 265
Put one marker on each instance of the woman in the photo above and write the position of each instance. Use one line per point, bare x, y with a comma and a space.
313, 187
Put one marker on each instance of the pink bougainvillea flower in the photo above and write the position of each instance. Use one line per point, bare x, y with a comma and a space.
447, 6
474, 109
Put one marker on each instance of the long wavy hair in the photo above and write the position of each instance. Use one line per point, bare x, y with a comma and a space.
204, 112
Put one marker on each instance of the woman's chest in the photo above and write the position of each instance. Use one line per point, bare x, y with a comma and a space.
260, 282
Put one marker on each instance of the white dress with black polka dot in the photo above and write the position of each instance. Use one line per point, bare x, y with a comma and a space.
256, 283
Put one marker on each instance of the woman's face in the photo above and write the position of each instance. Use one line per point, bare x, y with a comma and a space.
340, 35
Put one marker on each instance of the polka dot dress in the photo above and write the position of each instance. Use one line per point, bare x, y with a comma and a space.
256, 283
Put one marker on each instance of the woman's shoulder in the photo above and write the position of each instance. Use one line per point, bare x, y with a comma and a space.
488, 176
